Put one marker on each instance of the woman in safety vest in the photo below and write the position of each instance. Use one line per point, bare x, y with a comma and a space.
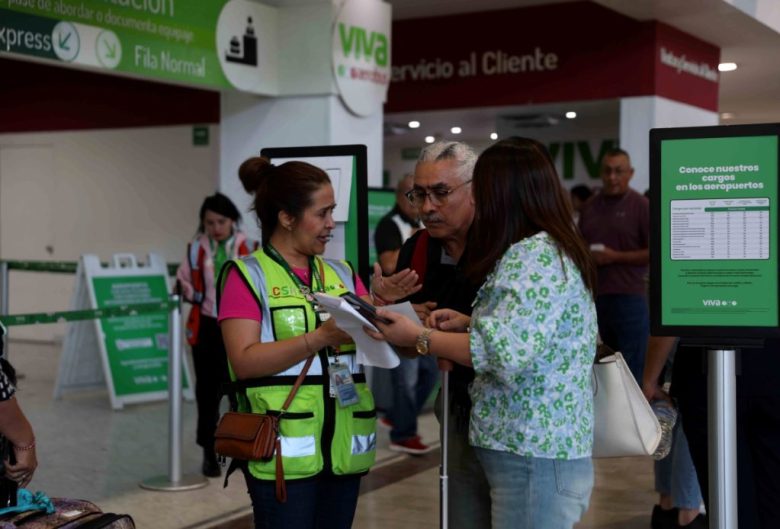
217, 241
272, 325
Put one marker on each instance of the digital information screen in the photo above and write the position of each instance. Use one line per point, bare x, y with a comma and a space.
714, 252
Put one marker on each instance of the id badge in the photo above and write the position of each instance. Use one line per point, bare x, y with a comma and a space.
342, 385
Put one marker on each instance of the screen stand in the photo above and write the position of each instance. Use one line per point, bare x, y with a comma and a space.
722, 438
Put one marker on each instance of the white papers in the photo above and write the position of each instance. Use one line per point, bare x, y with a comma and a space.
370, 352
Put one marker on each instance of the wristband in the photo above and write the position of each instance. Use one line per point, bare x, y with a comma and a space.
25, 448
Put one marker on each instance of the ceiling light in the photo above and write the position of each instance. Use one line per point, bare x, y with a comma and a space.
414, 124
726, 115
727, 66
493, 135
571, 114
430, 139
456, 130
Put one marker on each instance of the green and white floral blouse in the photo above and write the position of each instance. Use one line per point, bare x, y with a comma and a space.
533, 339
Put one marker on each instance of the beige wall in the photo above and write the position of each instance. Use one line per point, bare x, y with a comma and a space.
63, 194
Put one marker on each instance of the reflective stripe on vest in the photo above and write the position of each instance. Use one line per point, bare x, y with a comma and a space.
299, 446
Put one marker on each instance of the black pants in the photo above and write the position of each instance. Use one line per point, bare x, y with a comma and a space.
758, 443
210, 359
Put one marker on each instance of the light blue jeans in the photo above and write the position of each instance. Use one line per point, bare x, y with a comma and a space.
536, 493
676, 475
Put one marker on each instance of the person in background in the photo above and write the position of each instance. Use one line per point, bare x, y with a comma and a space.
758, 422
218, 239
434, 258
15, 427
395, 228
414, 378
616, 224
579, 195
531, 340
675, 476
272, 325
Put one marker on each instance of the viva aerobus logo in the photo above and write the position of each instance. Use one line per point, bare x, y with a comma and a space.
365, 44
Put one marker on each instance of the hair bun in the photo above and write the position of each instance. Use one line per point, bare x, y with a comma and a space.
253, 172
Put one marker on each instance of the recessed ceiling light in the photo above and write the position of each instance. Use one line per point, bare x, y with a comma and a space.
727, 66
414, 124
726, 115
493, 135
429, 139
571, 114
456, 130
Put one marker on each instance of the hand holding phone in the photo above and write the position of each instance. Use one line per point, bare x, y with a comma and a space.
365, 309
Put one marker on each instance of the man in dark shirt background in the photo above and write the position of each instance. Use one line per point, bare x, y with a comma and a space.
616, 224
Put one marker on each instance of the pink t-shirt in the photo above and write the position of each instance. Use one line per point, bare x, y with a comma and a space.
237, 300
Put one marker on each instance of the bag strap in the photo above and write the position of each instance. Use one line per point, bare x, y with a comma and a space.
281, 488
298, 382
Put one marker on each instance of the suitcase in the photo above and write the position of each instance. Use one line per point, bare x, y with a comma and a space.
69, 514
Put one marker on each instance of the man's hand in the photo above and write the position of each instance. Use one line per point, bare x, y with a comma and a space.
397, 286
423, 310
605, 256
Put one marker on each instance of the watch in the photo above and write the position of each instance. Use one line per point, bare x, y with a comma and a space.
423, 344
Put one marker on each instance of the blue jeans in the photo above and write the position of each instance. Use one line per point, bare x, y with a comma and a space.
624, 325
676, 475
536, 493
413, 380
324, 502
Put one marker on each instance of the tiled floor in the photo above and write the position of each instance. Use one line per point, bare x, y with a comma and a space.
86, 450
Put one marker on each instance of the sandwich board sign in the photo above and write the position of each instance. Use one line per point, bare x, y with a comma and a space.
127, 354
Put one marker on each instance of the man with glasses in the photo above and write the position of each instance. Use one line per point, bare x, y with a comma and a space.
442, 196
616, 223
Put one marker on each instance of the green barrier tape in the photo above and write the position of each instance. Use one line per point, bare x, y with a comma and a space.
62, 267
92, 314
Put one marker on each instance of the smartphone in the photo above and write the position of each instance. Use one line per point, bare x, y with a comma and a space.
365, 309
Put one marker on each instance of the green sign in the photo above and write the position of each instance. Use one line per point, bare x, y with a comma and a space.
718, 245
211, 43
380, 202
136, 346
200, 135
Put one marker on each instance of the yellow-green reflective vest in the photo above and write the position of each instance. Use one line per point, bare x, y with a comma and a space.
317, 434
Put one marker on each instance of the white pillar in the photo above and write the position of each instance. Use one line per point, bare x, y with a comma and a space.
640, 114
251, 123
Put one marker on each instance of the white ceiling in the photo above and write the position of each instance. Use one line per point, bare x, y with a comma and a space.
751, 94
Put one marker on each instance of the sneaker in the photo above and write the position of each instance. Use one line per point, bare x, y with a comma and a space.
663, 518
413, 446
385, 423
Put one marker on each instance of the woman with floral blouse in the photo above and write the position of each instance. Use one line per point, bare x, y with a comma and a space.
531, 340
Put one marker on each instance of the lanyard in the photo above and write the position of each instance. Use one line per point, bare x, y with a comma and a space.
317, 275
214, 246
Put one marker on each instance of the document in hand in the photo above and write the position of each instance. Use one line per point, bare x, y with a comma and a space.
370, 352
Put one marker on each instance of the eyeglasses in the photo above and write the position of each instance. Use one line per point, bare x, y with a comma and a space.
438, 195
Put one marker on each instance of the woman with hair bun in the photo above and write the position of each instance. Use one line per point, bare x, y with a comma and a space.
272, 325
217, 240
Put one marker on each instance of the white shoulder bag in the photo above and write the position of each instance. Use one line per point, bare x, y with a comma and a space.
624, 422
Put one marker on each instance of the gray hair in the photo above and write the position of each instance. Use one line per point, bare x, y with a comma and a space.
451, 150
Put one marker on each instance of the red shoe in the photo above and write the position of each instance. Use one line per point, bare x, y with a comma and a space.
413, 446
385, 423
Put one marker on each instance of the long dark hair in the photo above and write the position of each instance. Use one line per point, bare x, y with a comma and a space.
220, 204
288, 187
517, 194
